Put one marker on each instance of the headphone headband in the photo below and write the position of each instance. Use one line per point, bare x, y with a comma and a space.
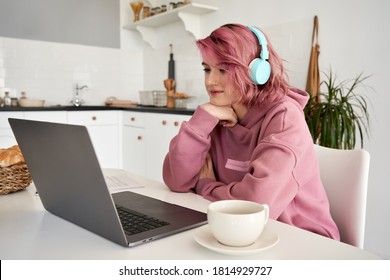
262, 40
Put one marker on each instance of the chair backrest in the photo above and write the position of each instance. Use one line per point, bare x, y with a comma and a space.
344, 174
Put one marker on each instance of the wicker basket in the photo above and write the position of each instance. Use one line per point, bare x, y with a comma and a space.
14, 178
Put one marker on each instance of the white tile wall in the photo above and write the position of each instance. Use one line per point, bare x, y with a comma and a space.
188, 70
291, 43
50, 71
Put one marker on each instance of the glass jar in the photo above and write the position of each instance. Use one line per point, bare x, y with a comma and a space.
7, 99
14, 102
146, 12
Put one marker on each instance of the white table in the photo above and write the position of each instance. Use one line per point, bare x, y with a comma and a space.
28, 231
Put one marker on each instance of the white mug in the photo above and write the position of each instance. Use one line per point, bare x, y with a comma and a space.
237, 223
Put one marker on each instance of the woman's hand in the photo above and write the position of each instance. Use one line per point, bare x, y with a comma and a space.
226, 115
207, 170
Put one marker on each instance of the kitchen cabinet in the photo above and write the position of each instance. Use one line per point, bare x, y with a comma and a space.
146, 138
189, 14
160, 129
103, 129
133, 142
7, 138
52, 116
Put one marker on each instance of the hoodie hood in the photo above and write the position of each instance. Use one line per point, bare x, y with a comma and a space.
294, 95
299, 96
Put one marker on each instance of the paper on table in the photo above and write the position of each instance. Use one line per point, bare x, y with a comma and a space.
118, 181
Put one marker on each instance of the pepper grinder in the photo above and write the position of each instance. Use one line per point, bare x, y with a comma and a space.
169, 86
171, 66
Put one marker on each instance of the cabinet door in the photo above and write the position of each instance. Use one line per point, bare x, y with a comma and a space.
160, 129
7, 138
103, 129
134, 150
106, 144
50, 116
133, 142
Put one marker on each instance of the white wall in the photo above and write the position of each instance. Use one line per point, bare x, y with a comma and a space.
353, 39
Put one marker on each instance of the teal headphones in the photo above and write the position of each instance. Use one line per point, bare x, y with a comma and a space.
260, 67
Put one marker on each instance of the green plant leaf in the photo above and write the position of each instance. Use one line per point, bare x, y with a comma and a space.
341, 114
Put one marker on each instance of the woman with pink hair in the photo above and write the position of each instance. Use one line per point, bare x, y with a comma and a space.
250, 141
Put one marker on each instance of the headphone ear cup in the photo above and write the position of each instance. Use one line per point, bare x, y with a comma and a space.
260, 71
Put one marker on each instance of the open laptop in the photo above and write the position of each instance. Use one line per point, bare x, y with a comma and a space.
71, 185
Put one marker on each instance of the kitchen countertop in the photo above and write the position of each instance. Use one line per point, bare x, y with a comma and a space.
148, 109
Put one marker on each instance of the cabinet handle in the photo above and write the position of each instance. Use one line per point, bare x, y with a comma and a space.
94, 118
176, 123
132, 119
164, 122
139, 138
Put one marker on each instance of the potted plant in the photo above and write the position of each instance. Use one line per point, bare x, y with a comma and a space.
341, 113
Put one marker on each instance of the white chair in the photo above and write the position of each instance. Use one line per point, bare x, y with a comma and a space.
344, 174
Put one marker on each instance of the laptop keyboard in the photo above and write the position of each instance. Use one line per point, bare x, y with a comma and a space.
133, 222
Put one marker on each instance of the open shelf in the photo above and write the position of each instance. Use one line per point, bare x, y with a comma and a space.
189, 14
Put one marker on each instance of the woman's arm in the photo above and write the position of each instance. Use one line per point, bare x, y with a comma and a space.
188, 151
270, 180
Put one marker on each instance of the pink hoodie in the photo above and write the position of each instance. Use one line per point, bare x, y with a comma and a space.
268, 158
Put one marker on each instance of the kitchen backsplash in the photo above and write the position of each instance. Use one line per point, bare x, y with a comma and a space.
189, 73
50, 71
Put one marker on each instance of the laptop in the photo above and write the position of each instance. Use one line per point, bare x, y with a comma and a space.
71, 185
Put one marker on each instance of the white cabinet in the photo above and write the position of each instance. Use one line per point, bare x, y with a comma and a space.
48, 116
160, 129
146, 138
7, 138
133, 142
103, 129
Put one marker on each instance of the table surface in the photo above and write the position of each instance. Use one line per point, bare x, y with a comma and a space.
28, 231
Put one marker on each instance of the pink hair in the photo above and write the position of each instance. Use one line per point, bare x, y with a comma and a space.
234, 46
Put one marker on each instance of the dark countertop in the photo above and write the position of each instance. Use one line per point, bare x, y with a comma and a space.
148, 109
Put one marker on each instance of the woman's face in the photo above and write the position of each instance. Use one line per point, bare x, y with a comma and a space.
219, 87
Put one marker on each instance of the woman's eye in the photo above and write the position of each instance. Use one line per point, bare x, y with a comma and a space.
206, 70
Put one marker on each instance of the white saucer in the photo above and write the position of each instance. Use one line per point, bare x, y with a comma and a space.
205, 238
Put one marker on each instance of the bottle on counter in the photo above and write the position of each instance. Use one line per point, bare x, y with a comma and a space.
7, 99
145, 12
14, 102
22, 95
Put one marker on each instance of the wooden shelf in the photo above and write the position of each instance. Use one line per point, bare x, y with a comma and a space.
189, 14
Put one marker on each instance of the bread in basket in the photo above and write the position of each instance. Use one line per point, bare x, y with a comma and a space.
14, 174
